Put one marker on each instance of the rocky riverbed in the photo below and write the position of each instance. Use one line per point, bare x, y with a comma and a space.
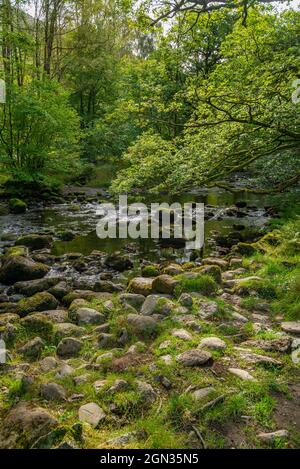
111, 348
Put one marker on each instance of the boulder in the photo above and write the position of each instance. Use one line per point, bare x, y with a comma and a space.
33, 348
59, 290
37, 322
69, 347
91, 413
16, 251
118, 262
155, 304
143, 325
194, 357
292, 327
212, 343
132, 299
18, 268
24, 424
185, 300
106, 340
182, 334
67, 329
173, 269
56, 315
146, 392
53, 392
35, 241
242, 374
107, 286
89, 316
42, 301
141, 286
165, 284
17, 206
222, 263
202, 393
48, 364
29, 288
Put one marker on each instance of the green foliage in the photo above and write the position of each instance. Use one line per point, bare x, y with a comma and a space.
242, 111
40, 130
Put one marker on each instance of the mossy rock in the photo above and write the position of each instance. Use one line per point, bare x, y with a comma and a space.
35, 241
141, 286
150, 270
17, 251
19, 268
39, 302
201, 283
213, 270
38, 323
165, 284
245, 249
261, 288
17, 206
173, 269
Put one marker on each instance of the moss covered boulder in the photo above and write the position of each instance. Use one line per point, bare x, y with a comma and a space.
16, 251
245, 249
118, 262
17, 206
39, 302
165, 284
19, 268
141, 286
198, 283
39, 323
35, 241
24, 424
213, 270
31, 287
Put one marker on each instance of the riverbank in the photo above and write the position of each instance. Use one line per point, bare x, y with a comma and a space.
164, 355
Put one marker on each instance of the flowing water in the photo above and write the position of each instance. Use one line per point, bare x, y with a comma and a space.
82, 219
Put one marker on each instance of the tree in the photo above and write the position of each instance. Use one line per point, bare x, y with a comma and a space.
243, 112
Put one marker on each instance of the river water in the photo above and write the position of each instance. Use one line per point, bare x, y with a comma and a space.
222, 217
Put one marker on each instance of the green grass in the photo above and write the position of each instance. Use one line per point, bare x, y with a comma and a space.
203, 284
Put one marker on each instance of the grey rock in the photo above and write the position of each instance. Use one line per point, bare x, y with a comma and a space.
292, 327
132, 299
89, 316
69, 347
155, 304
194, 357
186, 300
212, 343
91, 413
33, 348
53, 392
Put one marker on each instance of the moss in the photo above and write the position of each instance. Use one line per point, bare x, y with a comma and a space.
38, 323
17, 206
203, 284
212, 270
245, 249
150, 271
16, 251
39, 302
263, 288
